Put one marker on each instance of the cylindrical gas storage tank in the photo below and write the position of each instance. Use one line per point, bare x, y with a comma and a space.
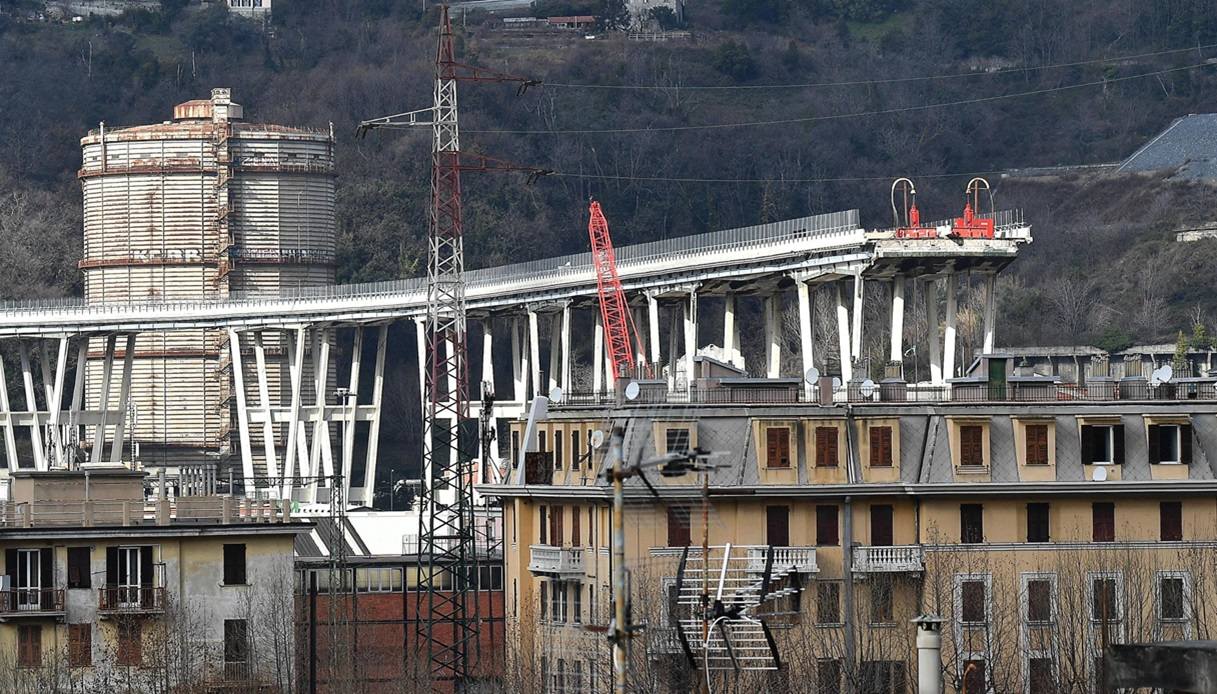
204, 205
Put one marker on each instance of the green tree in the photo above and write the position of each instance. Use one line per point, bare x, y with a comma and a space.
1179, 361
755, 11
735, 61
1200, 337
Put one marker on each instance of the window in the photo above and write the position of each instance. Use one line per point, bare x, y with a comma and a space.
881, 525
1103, 444
129, 576
30, 573
1036, 438
1170, 443
557, 601
574, 526
777, 526
676, 439
678, 527
1041, 678
971, 523
234, 564
1103, 520
130, 643
826, 447
1037, 523
29, 645
515, 449
826, 526
971, 445
1171, 598
543, 526
1171, 521
78, 567
1105, 605
974, 676
541, 442
80, 645
828, 602
558, 445
575, 452
880, 446
1039, 601
881, 602
882, 677
544, 600
777, 447
972, 602
828, 675
236, 641
577, 589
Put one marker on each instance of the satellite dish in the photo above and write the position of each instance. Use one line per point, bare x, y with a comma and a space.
1166, 373
812, 375
597, 439
555, 394
867, 388
1099, 474
632, 390
836, 383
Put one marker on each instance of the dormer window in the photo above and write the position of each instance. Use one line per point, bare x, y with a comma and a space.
1170, 444
1103, 444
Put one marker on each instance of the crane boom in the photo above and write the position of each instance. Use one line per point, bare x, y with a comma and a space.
614, 311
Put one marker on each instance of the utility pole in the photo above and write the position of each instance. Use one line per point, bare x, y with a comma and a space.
619, 633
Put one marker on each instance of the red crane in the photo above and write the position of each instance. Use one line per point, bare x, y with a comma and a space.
614, 311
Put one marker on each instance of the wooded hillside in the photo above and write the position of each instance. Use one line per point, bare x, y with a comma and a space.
343, 61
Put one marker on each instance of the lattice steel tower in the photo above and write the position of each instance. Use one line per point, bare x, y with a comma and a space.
448, 622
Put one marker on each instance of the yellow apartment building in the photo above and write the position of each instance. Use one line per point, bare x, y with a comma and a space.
1038, 528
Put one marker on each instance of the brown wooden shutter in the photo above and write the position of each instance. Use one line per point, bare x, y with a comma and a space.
678, 527
544, 527
1103, 521
972, 599
826, 526
971, 445
777, 525
1185, 444
1089, 451
826, 447
1154, 433
1171, 521
1037, 444
881, 525
556, 536
1117, 435
574, 526
881, 446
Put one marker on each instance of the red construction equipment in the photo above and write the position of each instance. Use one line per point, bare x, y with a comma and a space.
614, 311
909, 226
971, 225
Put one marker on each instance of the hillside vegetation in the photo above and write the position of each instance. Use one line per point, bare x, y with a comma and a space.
343, 61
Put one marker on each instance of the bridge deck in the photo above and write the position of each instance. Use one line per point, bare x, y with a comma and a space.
820, 244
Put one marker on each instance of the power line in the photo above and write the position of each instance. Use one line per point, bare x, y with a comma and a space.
889, 80
837, 116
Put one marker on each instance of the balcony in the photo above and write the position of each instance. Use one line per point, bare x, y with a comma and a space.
894, 559
561, 562
786, 560
31, 602
130, 600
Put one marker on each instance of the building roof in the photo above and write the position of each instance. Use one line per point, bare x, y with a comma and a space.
1188, 144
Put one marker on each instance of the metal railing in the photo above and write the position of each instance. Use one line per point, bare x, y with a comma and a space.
833, 229
548, 559
785, 559
193, 509
889, 559
27, 600
902, 393
131, 599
